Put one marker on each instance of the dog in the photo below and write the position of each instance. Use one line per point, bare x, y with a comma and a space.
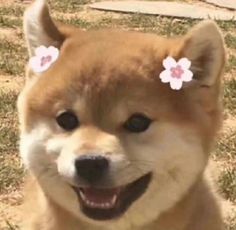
107, 144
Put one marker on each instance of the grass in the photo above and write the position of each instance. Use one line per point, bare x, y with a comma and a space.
6, 22
76, 22
230, 95
230, 41
227, 26
69, 6
10, 171
16, 11
227, 183
226, 145
13, 58
11, 226
158, 24
14, 55
231, 63
7, 103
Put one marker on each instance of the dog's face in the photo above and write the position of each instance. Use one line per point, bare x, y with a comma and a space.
104, 137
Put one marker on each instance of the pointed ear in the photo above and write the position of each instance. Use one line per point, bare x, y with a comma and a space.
39, 27
205, 48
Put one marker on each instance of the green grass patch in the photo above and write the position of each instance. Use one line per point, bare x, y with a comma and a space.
16, 11
154, 24
226, 146
68, 6
102, 23
9, 123
11, 173
230, 40
13, 58
80, 23
7, 103
160, 25
229, 99
6, 22
226, 25
107, 22
231, 63
8, 136
227, 184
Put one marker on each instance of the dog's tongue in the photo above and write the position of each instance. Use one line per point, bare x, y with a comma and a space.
101, 195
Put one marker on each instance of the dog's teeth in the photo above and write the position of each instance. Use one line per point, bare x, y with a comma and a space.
105, 205
114, 199
98, 205
92, 204
82, 195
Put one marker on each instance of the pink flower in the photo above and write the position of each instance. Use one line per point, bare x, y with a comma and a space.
44, 58
176, 73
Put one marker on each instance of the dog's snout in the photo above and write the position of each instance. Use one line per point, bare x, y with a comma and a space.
91, 168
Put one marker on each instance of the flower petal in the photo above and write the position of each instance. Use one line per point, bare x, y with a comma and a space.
187, 76
165, 76
169, 62
54, 52
185, 63
40, 51
34, 63
176, 84
45, 67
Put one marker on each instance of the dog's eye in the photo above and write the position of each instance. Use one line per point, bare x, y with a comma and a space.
137, 123
67, 120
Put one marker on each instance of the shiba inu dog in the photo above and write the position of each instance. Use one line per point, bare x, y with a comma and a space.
107, 144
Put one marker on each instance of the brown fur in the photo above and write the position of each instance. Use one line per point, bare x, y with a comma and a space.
191, 213
99, 69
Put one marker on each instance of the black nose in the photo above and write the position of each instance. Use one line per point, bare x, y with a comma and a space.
91, 168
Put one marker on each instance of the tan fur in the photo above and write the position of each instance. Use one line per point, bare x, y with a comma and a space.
105, 76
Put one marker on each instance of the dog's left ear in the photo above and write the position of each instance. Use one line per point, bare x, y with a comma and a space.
204, 46
39, 28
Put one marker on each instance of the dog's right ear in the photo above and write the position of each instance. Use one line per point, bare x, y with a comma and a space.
39, 27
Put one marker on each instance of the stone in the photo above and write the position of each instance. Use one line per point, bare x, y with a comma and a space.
171, 9
230, 4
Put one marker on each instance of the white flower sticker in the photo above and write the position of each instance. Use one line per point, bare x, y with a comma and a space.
44, 58
176, 73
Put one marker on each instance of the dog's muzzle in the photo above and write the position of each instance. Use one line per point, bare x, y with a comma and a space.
105, 203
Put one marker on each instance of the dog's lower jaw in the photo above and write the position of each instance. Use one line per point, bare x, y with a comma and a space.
198, 210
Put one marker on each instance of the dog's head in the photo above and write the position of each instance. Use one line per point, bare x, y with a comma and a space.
106, 139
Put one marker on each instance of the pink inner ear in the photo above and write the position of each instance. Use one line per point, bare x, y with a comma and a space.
177, 72
45, 60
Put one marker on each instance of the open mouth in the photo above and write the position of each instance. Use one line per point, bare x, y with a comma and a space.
105, 204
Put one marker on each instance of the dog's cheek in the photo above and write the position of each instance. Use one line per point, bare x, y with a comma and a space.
182, 164
167, 146
38, 149
180, 151
40, 153
32, 151
175, 156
